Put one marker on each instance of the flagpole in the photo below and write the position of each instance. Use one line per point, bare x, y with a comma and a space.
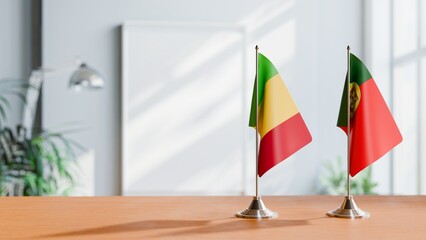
349, 121
348, 208
257, 208
257, 124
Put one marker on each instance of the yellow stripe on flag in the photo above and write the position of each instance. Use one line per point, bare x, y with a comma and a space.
277, 105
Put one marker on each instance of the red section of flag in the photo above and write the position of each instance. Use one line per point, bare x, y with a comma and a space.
373, 129
282, 141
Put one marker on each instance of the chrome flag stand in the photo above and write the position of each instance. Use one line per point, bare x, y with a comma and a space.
348, 209
257, 208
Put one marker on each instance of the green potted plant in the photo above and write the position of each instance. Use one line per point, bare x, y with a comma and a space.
333, 180
41, 164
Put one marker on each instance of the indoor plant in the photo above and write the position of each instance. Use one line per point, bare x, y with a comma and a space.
41, 164
333, 181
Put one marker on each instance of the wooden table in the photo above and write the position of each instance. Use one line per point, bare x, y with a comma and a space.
301, 217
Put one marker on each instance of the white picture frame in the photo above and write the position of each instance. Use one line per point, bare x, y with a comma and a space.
205, 55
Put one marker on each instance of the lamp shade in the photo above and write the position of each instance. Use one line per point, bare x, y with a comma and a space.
86, 77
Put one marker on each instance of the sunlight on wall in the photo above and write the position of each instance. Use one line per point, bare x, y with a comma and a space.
208, 50
187, 134
265, 13
406, 115
283, 36
405, 27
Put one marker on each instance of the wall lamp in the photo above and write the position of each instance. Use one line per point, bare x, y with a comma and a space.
82, 77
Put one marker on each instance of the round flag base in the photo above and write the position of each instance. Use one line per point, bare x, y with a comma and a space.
257, 209
348, 209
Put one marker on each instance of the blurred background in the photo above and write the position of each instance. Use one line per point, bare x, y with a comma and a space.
172, 116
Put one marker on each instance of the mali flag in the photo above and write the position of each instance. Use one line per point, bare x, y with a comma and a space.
373, 129
281, 127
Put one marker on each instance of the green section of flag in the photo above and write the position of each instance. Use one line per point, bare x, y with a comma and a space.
359, 74
266, 70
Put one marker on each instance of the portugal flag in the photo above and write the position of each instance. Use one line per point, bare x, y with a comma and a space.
373, 129
281, 127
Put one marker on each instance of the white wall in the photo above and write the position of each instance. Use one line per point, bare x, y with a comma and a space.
15, 48
306, 40
391, 29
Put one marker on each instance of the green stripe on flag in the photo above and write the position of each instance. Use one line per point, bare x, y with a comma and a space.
359, 74
266, 70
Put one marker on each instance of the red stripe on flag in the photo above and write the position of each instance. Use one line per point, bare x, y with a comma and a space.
282, 141
373, 129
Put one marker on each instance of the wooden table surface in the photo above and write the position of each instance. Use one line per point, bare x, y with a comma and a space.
300, 217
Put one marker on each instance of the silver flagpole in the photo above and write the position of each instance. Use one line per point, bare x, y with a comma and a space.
257, 123
348, 89
348, 209
257, 208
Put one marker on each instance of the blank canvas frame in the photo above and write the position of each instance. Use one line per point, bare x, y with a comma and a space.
184, 108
